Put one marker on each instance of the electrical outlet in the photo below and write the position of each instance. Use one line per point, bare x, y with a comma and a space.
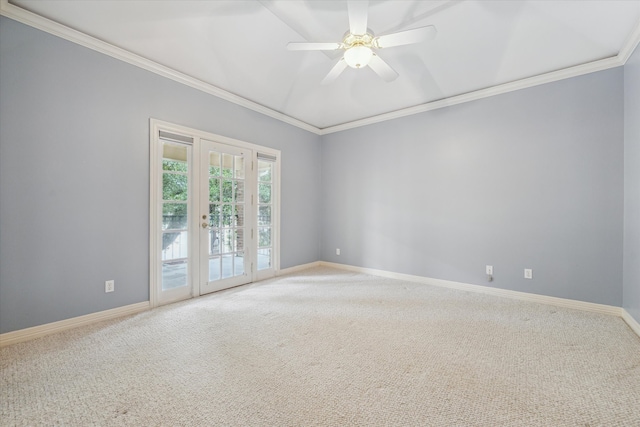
110, 286
337, 251
528, 273
489, 269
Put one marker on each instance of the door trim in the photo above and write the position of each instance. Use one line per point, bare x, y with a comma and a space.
155, 195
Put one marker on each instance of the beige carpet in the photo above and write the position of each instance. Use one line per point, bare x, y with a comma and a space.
330, 348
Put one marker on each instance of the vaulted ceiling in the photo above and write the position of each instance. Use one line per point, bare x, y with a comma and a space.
238, 48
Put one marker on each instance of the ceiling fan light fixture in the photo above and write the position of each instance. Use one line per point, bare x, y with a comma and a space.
358, 56
359, 41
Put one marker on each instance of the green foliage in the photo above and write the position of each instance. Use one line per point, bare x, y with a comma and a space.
227, 216
174, 186
214, 215
227, 191
174, 165
223, 193
264, 193
214, 189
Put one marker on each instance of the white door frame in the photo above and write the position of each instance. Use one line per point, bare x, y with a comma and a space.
155, 211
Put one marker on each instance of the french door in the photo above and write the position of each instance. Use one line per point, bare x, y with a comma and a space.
214, 221
226, 217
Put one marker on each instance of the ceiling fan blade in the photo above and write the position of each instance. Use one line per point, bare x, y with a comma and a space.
335, 72
313, 46
358, 11
416, 35
382, 69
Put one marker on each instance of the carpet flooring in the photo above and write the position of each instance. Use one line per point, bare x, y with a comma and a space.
331, 348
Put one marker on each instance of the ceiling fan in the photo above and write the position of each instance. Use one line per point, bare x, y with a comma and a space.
360, 45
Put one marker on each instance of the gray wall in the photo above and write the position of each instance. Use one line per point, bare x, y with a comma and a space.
528, 179
74, 175
532, 178
631, 287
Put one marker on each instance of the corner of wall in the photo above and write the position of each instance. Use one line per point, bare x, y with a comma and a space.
631, 224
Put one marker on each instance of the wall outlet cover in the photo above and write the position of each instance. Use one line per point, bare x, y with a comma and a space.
110, 286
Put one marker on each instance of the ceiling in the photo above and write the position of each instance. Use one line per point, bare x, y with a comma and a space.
240, 47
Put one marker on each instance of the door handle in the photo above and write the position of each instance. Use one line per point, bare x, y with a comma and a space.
205, 225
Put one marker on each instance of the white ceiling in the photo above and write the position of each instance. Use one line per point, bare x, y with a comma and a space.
240, 46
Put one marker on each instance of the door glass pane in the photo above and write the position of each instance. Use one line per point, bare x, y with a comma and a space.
264, 193
174, 157
214, 242
264, 215
174, 186
214, 189
175, 245
227, 266
264, 237
239, 216
238, 264
214, 215
239, 239
239, 191
264, 259
174, 165
174, 216
227, 191
227, 216
239, 167
226, 240
174, 274
214, 269
227, 165
264, 171
214, 164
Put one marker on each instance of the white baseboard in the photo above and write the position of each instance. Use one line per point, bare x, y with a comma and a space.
297, 268
524, 296
633, 323
27, 334
63, 325
50, 328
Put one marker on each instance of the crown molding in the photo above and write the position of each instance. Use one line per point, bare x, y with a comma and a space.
591, 67
630, 45
565, 73
39, 22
